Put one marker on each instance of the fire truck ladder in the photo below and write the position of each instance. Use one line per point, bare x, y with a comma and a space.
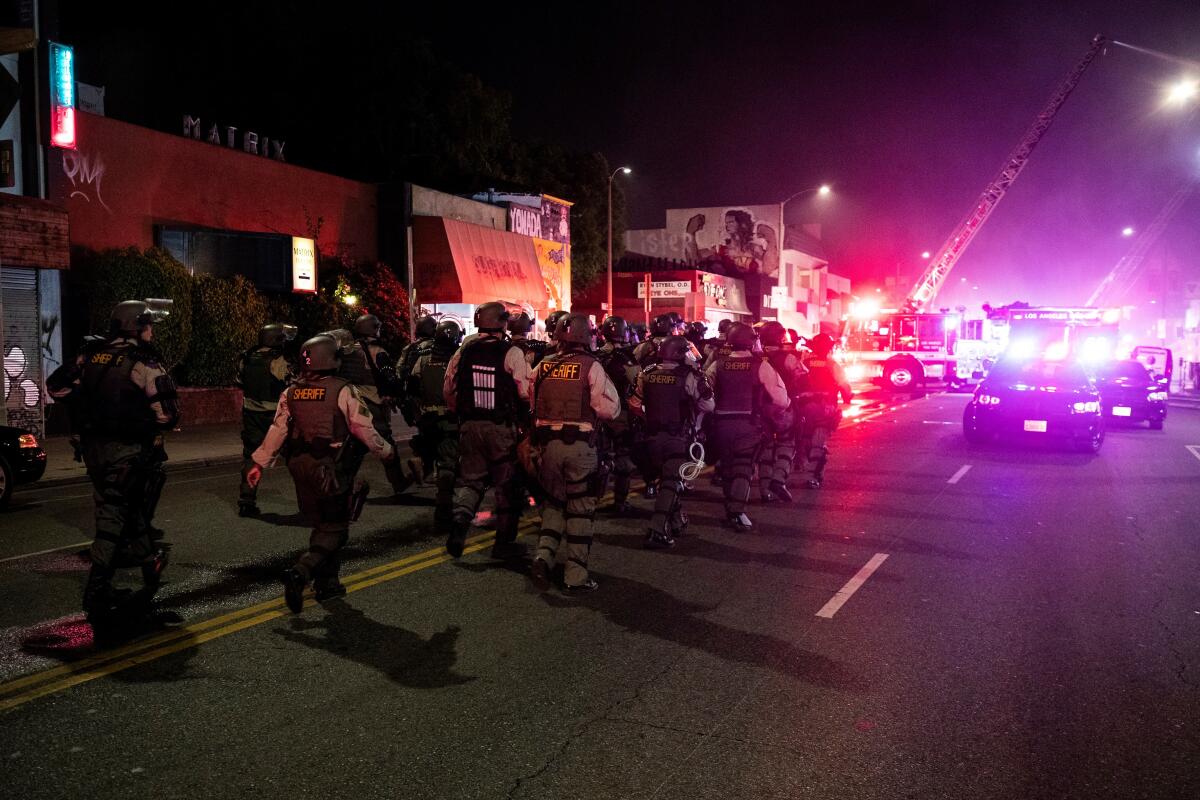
943, 262
1125, 273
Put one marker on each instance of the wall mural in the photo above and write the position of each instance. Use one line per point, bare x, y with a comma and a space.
21, 393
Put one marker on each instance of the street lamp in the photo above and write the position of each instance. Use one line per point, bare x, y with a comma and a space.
824, 190
626, 171
1127, 232
925, 254
1183, 91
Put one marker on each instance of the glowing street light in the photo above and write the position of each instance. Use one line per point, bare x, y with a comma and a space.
624, 171
824, 189
925, 254
1127, 232
1183, 92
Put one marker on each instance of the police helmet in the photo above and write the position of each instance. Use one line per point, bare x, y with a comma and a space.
552, 320
637, 333
575, 329
320, 354
520, 325
448, 333
741, 336
275, 335
131, 316
426, 326
771, 333
673, 348
615, 330
723, 326
662, 325
821, 344
368, 326
491, 317
698, 329
341, 336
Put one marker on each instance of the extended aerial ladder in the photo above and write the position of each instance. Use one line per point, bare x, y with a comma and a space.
1121, 279
943, 262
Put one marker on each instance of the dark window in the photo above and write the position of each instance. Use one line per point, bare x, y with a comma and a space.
265, 259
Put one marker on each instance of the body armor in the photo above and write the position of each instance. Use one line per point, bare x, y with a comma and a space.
791, 377
616, 362
667, 405
563, 391
736, 382
433, 374
485, 389
317, 421
820, 379
260, 389
113, 405
356, 369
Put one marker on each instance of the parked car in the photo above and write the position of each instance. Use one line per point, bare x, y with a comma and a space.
1038, 399
22, 460
1129, 391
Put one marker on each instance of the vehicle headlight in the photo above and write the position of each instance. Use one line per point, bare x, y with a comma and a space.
1158, 395
987, 400
1086, 407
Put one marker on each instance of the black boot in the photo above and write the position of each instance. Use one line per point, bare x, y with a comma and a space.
781, 491
294, 584
248, 508
457, 539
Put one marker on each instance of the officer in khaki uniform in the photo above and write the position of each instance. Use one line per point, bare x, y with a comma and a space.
126, 401
437, 428
820, 389
745, 386
518, 331
487, 386
317, 418
672, 398
778, 449
572, 396
263, 374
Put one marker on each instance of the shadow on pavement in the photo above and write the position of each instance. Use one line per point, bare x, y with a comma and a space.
290, 520
642, 608
402, 500
401, 655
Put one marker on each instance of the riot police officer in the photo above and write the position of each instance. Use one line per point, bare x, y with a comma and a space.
366, 365
616, 436
487, 386
317, 418
661, 327
263, 374
126, 401
425, 328
778, 448
719, 347
572, 396
552, 320
823, 384
746, 386
518, 331
672, 398
437, 428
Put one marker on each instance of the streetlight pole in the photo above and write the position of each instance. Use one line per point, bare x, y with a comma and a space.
625, 170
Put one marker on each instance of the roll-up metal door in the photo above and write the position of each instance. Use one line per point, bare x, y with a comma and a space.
22, 346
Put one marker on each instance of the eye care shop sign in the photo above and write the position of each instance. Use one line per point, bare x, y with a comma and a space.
304, 265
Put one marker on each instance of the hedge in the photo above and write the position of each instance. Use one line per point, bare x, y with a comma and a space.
226, 317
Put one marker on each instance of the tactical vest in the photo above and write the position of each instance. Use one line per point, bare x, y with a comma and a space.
820, 378
316, 417
433, 376
260, 388
409, 355
616, 362
112, 404
355, 369
563, 393
737, 380
665, 400
778, 358
484, 389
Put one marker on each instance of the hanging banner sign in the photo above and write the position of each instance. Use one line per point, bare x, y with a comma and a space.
661, 289
304, 265
62, 96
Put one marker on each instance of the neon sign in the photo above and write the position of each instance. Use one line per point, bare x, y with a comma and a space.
62, 96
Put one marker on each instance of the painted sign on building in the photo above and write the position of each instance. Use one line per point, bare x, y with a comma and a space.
663, 289
554, 259
525, 220
734, 240
227, 136
556, 219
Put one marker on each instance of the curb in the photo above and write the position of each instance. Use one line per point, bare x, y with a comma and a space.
176, 466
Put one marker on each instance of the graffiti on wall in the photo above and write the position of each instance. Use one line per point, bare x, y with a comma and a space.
86, 174
737, 241
21, 392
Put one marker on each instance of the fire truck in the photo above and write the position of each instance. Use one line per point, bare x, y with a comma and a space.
907, 347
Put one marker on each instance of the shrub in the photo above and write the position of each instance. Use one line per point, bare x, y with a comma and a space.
113, 276
378, 292
227, 314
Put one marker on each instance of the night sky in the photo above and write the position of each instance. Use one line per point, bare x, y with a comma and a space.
908, 110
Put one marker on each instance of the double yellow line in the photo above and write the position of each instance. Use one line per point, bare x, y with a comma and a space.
30, 687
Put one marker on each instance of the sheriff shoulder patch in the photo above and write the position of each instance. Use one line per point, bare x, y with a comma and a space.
307, 393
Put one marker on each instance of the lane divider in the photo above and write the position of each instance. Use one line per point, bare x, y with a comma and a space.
853, 585
958, 476
1194, 449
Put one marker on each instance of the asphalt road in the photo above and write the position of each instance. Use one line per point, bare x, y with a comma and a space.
939, 621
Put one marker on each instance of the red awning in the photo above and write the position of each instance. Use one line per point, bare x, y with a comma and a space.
456, 262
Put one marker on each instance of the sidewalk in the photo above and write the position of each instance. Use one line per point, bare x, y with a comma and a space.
1184, 398
200, 446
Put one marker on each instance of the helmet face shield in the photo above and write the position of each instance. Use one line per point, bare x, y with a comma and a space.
157, 309
289, 332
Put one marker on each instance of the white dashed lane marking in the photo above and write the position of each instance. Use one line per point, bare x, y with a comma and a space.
1194, 449
958, 476
853, 585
